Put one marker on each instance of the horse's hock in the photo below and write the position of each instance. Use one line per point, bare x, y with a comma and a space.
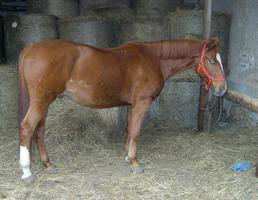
56, 7
92, 30
21, 31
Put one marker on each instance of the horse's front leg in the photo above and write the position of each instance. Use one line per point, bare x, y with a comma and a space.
127, 132
137, 114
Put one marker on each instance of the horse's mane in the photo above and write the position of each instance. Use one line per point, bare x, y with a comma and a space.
172, 49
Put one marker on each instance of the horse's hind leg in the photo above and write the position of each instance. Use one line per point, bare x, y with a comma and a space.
28, 125
37, 140
39, 134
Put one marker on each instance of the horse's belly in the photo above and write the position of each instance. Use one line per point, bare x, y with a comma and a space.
88, 97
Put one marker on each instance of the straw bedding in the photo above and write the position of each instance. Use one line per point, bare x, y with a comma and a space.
179, 163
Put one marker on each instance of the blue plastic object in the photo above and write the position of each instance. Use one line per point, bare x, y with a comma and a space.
241, 166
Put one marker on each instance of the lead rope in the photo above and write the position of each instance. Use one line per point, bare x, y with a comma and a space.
220, 108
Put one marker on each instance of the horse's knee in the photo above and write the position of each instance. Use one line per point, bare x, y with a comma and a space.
29, 124
136, 139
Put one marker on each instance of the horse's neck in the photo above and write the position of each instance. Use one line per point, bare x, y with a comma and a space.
174, 56
172, 67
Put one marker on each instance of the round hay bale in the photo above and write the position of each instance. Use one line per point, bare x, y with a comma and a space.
91, 30
8, 95
189, 24
114, 14
21, 31
1, 40
117, 15
193, 4
76, 121
179, 102
154, 8
86, 5
143, 30
56, 7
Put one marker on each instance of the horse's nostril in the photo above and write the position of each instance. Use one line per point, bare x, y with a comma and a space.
222, 91
218, 91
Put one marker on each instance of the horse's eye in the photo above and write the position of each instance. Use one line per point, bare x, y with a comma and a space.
212, 61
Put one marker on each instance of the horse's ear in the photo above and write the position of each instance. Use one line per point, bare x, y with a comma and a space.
213, 43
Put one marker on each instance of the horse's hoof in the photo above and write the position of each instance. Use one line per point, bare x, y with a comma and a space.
29, 180
127, 159
51, 170
136, 170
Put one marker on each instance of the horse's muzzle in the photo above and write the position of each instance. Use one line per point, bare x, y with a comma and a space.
219, 91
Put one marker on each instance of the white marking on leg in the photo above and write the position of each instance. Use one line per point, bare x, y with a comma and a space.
25, 162
127, 159
219, 60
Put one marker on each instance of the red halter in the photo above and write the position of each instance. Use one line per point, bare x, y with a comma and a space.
211, 78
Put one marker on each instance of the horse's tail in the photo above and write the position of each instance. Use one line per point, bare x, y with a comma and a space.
23, 91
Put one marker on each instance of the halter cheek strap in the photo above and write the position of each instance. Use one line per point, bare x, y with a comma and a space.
211, 78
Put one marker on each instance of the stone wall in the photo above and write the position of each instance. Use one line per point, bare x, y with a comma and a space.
242, 71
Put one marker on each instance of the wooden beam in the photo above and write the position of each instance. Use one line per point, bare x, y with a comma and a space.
206, 101
244, 100
207, 19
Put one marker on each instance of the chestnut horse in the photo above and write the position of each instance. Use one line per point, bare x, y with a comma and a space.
132, 74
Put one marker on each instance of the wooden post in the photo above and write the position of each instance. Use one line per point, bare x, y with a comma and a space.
207, 19
206, 99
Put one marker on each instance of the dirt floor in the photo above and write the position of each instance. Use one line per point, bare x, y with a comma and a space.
179, 163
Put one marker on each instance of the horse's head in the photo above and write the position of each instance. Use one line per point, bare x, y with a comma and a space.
210, 68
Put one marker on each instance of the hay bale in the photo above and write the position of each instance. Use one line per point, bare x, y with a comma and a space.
8, 95
21, 31
154, 8
186, 76
143, 29
86, 5
239, 114
78, 122
56, 7
117, 15
114, 14
193, 4
189, 24
92, 30
179, 102
1, 40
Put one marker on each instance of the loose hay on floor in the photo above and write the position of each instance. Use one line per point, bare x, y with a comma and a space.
179, 163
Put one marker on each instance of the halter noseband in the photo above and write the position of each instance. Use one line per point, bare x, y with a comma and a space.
211, 78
